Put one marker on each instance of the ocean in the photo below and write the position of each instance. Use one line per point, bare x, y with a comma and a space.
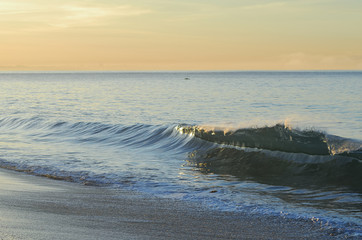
285, 144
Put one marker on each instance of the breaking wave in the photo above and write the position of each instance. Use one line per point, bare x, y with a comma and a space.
279, 155
273, 155
278, 138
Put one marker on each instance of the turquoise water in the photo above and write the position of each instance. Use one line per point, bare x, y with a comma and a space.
280, 143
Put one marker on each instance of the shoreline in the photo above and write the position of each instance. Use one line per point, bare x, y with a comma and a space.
35, 207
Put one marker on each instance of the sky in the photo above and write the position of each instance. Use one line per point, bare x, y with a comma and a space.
180, 35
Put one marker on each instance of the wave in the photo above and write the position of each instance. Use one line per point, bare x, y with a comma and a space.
141, 136
279, 155
274, 155
279, 138
280, 169
275, 138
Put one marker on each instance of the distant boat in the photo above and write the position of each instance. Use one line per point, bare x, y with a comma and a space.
186, 78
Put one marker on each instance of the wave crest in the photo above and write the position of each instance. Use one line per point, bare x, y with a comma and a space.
270, 153
276, 138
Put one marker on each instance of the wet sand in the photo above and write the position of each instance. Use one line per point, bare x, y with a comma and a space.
34, 207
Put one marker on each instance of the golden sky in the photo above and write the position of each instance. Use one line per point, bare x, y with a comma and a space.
180, 35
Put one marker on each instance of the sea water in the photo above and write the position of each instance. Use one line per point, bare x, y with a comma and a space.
266, 143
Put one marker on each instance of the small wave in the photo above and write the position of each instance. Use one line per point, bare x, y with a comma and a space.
278, 138
273, 154
140, 136
280, 169
279, 155
82, 177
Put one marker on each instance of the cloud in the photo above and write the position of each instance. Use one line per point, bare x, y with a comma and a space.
9, 9
75, 12
75, 15
265, 5
301, 60
48, 15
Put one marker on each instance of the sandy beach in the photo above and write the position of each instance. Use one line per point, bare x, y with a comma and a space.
39, 208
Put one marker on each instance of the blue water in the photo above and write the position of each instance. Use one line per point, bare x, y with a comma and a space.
275, 143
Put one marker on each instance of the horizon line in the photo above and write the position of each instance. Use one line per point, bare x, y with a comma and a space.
160, 71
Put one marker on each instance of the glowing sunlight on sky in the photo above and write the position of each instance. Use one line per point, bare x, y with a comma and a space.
180, 35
